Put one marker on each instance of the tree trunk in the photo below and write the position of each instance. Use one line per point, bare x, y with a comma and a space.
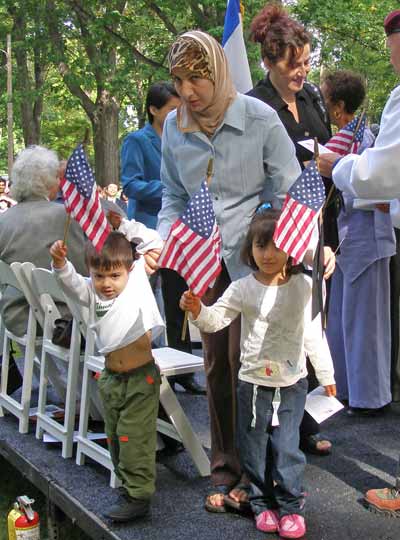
31, 97
105, 140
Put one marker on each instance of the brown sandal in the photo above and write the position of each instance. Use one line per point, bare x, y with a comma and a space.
222, 490
240, 506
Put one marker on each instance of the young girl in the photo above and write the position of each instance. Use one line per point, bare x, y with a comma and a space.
276, 334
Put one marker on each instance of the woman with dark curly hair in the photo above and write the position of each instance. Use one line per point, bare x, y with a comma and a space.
286, 51
359, 316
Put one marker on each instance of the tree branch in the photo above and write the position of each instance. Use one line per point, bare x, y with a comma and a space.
161, 15
136, 53
59, 46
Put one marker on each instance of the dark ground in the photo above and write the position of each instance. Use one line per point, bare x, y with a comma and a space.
365, 455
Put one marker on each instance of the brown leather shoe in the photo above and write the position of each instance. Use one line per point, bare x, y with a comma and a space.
383, 501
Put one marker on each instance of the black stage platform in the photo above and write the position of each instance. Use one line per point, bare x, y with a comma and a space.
365, 455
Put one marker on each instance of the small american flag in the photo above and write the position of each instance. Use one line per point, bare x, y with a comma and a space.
300, 211
193, 246
344, 141
82, 200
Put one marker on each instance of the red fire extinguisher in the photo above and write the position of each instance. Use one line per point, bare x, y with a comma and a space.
23, 522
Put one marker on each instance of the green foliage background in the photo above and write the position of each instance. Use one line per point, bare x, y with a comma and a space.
346, 33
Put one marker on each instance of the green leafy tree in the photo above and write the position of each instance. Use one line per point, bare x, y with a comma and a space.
349, 35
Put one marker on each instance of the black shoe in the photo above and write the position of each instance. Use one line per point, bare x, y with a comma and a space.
128, 509
364, 412
190, 385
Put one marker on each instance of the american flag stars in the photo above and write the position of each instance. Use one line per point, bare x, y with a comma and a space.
303, 203
309, 188
82, 200
199, 215
78, 172
193, 247
344, 141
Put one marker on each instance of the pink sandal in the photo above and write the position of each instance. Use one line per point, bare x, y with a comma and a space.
292, 526
268, 521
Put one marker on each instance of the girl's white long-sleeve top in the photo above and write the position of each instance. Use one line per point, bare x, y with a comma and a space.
276, 330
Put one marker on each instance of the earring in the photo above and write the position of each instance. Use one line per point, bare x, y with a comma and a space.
337, 115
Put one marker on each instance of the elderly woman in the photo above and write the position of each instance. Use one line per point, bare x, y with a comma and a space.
254, 160
28, 229
359, 316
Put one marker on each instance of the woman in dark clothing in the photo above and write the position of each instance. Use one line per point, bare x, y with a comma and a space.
285, 51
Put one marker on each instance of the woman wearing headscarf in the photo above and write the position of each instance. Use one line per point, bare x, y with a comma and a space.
253, 160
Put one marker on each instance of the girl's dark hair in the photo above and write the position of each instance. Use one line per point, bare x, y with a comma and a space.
278, 33
262, 227
346, 86
116, 251
158, 95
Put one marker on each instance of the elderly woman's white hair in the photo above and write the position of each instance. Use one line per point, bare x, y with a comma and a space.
35, 173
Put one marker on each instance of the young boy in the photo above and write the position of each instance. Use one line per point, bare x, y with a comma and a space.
122, 313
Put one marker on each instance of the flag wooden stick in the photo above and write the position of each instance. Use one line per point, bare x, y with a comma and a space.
184, 326
320, 223
66, 227
85, 142
209, 173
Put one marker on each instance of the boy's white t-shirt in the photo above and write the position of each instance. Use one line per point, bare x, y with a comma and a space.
133, 313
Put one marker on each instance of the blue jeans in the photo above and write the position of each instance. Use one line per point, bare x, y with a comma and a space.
270, 456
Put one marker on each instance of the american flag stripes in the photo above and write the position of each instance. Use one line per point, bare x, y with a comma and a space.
344, 141
82, 200
193, 246
300, 211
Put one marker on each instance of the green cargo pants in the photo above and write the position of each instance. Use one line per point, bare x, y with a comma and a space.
130, 403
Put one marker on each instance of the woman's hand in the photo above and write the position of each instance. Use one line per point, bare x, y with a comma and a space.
58, 252
190, 302
150, 261
326, 162
329, 262
330, 390
114, 218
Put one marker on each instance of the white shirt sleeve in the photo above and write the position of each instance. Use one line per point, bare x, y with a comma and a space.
146, 238
375, 173
223, 312
73, 284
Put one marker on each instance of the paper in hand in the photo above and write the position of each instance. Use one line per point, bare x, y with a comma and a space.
320, 406
309, 144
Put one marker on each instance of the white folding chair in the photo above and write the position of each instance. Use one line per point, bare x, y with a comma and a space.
29, 342
174, 362
49, 291
23, 273
93, 365
171, 362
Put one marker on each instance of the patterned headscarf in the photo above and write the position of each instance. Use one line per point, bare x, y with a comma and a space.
202, 56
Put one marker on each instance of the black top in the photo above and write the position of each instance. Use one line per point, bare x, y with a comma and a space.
313, 118
313, 122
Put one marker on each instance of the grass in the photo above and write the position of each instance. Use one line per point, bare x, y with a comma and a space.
13, 484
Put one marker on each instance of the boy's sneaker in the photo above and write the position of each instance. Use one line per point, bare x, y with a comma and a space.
267, 521
128, 509
384, 501
292, 526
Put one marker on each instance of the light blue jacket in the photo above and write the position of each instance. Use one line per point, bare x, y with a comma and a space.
254, 161
140, 174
